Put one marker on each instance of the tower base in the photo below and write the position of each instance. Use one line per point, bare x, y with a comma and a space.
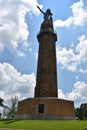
46, 109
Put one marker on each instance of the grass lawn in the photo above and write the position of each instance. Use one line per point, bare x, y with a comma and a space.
43, 124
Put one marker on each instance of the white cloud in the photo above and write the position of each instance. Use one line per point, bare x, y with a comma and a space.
20, 53
61, 94
60, 23
78, 94
13, 82
84, 71
82, 48
14, 28
79, 13
78, 18
65, 58
71, 58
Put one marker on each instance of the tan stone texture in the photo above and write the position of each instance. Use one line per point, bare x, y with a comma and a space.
54, 106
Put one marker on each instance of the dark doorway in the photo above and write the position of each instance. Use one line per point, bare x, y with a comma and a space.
40, 108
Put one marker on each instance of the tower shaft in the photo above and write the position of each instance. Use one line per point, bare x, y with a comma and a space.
46, 81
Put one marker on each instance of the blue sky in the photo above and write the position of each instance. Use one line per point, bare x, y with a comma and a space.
20, 22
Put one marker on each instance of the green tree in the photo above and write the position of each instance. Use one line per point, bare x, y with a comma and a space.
77, 113
10, 111
1, 102
81, 112
83, 109
1, 105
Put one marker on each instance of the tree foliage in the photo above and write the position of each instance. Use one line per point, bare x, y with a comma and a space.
10, 111
81, 112
1, 102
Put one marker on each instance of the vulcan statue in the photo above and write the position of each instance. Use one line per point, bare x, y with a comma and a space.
47, 15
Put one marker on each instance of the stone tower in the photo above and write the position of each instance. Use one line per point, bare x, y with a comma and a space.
46, 81
45, 104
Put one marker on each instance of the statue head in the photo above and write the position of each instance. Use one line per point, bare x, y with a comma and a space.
49, 12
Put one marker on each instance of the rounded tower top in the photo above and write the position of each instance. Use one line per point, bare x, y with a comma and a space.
46, 28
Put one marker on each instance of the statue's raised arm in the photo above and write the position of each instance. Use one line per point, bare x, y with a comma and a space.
40, 9
47, 15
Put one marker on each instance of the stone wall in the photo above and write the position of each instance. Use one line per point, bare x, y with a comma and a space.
53, 109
